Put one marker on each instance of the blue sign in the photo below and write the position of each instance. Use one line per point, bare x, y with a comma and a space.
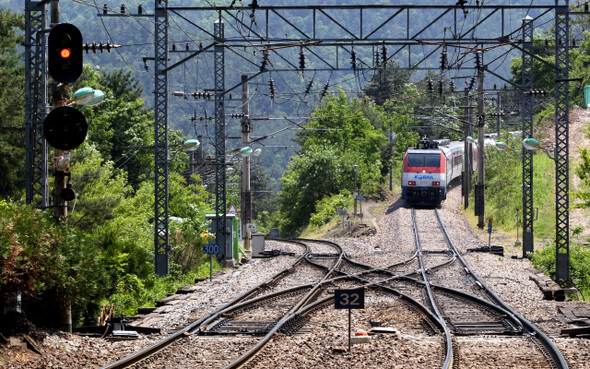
210, 249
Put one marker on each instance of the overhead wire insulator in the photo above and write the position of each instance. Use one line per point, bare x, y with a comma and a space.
440, 87
271, 85
140, 9
444, 60
538, 92
377, 61
87, 47
100, 47
430, 85
264, 60
471, 83
353, 59
325, 90
122, 8
308, 88
302, 59
384, 54
452, 86
478, 63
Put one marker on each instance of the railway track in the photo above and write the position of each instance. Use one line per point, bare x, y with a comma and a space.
432, 294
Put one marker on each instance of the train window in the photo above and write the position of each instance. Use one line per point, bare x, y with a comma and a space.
424, 160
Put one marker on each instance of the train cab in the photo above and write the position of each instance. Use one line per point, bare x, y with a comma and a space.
428, 169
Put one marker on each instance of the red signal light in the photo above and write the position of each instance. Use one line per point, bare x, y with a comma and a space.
64, 57
65, 53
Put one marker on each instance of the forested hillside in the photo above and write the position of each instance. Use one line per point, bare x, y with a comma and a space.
135, 34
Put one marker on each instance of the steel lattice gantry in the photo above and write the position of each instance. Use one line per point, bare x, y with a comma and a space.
37, 183
245, 31
562, 142
527, 131
273, 27
161, 229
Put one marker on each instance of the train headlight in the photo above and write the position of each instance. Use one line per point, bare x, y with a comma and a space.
435, 183
411, 183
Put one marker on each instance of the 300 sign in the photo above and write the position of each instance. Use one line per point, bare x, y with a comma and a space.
210, 249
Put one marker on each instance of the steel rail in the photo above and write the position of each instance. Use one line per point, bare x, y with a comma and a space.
304, 306
165, 342
448, 339
248, 355
539, 335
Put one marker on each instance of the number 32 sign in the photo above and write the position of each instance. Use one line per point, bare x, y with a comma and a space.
349, 299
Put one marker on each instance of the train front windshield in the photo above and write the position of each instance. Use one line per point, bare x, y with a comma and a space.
424, 160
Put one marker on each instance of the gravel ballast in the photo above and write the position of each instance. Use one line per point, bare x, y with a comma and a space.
509, 278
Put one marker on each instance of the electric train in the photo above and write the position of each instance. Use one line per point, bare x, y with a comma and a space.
430, 167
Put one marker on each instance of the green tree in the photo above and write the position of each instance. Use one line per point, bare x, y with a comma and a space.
121, 127
12, 102
582, 170
332, 145
387, 83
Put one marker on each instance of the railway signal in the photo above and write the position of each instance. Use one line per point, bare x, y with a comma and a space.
64, 127
65, 53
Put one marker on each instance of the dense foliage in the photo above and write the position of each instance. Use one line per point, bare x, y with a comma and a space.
12, 102
102, 252
343, 149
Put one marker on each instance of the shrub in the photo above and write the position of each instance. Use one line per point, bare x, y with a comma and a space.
327, 208
544, 260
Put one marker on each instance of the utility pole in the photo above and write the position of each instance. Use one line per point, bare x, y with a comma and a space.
58, 92
390, 139
499, 112
480, 190
199, 154
355, 194
467, 146
61, 164
246, 205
